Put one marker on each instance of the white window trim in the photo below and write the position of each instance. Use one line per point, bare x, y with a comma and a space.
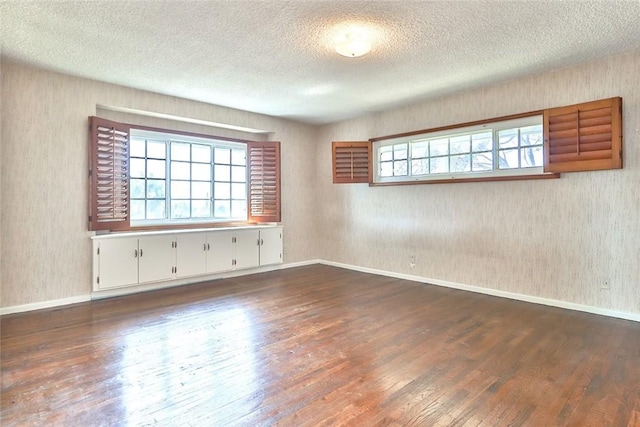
177, 137
495, 173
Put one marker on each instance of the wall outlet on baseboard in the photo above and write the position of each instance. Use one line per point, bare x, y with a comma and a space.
605, 284
412, 261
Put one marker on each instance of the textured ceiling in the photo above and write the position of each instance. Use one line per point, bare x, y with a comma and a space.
277, 57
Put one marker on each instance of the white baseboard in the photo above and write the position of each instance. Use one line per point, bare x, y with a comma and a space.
493, 292
301, 263
487, 291
44, 304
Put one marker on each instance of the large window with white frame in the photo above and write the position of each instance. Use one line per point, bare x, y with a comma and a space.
503, 148
181, 179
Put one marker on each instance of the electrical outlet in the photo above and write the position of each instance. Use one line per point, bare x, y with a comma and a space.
605, 284
412, 261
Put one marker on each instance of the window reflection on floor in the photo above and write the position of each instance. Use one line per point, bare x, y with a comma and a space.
166, 365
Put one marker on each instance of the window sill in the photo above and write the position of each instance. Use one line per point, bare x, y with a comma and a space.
460, 180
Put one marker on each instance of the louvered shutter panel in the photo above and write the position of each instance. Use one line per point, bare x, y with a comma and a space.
351, 162
583, 137
263, 160
108, 175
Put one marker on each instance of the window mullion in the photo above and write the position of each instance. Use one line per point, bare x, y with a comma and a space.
495, 135
429, 158
449, 155
190, 182
409, 159
146, 178
393, 160
211, 182
519, 148
167, 174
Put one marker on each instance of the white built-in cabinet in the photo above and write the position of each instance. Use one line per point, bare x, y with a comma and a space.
221, 251
156, 257
270, 246
247, 249
218, 251
122, 253
191, 254
129, 260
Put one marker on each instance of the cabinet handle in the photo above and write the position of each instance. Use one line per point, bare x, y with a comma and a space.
204, 246
208, 247
261, 242
140, 253
135, 253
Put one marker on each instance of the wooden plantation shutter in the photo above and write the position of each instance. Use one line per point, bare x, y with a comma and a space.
108, 175
583, 137
351, 161
263, 193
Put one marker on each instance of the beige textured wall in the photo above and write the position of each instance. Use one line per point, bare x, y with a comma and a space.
46, 251
1, 210
548, 238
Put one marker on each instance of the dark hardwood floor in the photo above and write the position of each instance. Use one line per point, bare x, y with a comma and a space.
317, 346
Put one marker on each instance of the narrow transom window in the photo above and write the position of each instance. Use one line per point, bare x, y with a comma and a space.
502, 148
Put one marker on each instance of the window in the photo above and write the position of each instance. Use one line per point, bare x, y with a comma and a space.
151, 177
581, 137
185, 179
510, 147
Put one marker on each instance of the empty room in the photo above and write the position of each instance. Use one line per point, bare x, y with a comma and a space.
320, 213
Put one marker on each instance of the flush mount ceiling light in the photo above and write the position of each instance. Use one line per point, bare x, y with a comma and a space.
353, 44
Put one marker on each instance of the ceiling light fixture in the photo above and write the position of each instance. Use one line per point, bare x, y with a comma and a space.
353, 44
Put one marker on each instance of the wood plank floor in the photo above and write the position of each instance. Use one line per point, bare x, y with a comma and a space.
317, 346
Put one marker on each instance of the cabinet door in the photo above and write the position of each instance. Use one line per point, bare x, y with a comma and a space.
270, 246
117, 263
219, 251
191, 254
247, 251
156, 259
